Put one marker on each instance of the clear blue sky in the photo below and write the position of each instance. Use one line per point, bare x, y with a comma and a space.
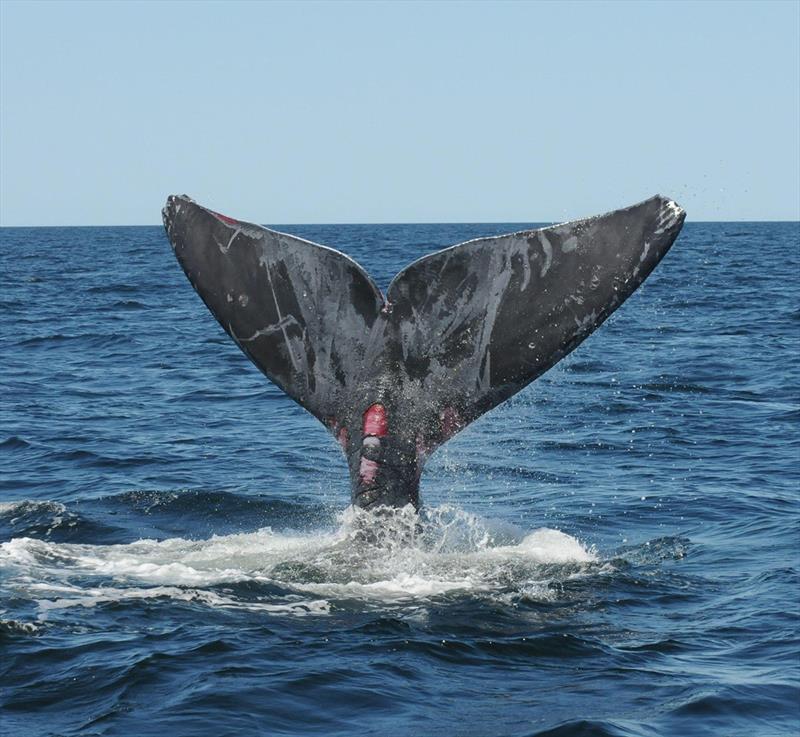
417, 112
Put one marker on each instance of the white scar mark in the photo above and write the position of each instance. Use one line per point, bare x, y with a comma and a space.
668, 216
485, 380
548, 254
570, 244
269, 329
281, 322
227, 248
585, 322
526, 267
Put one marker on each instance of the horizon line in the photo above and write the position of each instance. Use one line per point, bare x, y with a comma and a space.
378, 223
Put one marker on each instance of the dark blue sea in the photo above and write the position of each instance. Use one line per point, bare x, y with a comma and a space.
614, 551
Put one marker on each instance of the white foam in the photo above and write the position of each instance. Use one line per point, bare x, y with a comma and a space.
28, 506
91, 597
382, 558
551, 546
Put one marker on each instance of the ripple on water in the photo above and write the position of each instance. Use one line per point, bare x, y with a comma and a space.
612, 552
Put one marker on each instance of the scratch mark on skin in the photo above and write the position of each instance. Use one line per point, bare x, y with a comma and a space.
227, 248
586, 321
280, 320
484, 380
526, 267
548, 254
667, 217
269, 329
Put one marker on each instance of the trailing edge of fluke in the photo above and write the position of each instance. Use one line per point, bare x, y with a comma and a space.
458, 332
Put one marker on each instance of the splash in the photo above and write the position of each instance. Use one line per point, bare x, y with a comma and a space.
376, 558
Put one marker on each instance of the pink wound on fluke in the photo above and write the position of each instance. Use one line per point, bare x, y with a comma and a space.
375, 421
451, 422
343, 436
368, 470
224, 218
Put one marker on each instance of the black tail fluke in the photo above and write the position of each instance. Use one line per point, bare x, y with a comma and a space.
479, 321
301, 312
460, 331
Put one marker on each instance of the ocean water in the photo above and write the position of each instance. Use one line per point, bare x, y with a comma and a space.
614, 551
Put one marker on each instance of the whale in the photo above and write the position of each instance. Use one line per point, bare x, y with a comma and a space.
459, 331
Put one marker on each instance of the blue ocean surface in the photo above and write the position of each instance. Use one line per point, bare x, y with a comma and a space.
614, 551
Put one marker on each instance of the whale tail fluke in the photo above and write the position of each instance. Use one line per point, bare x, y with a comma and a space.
459, 331
301, 312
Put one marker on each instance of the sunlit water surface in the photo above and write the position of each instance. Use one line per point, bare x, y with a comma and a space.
612, 552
